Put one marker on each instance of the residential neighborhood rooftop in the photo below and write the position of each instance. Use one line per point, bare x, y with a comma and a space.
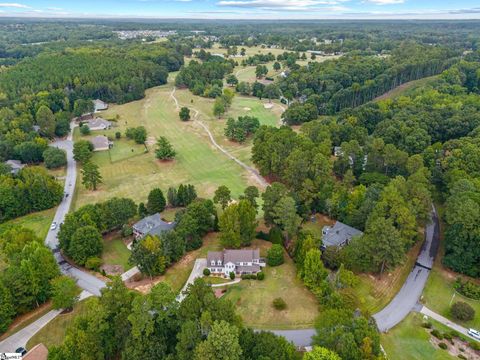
99, 105
339, 234
100, 142
152, 225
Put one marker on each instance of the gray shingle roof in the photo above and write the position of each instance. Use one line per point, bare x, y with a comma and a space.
339, 234
234, 256
153, 225
100, 142
98, 123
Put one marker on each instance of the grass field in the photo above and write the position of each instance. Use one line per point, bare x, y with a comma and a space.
39, 222
53, 333
405, 89
409, 341
115, 252
439, 294
253, 298
197, 161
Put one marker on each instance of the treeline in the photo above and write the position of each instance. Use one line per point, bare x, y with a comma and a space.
28, 267
125, 324
205, 78
354, 79
33, 189
114, 75
80, 235
154, 254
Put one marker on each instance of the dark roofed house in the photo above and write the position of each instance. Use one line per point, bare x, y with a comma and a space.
98, 124
152, 225
339, 234
101, 143
15, 166
99, 105
237, 261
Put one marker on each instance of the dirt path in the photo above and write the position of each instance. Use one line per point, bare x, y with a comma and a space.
260, 179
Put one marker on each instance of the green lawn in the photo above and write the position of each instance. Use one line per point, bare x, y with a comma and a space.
253, 298
115, 252
197, 162
39, 222
439, 294
53, 333
409, 341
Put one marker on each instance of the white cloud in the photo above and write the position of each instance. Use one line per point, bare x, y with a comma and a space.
277, 4
14, 5
385, 2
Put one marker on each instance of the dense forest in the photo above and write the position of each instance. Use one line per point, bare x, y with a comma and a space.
390, 152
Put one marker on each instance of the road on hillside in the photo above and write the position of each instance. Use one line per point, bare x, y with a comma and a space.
409, 295
84, 280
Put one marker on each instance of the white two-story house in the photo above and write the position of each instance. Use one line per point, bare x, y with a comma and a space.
236, 261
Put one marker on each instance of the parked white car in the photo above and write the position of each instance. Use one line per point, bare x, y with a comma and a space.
53, 226
474, 333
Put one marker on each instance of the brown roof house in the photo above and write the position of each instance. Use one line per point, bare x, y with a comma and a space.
98, 124
38, 352
101, 143
236, 261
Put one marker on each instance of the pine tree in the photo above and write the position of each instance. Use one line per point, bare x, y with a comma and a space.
91, 175
164, 150
156, 201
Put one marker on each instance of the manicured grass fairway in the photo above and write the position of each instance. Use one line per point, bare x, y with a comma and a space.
53, 333
409, 341
253, 298
197, 161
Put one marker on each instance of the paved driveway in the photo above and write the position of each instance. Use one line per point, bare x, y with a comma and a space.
197, 272
412, 289
460, 329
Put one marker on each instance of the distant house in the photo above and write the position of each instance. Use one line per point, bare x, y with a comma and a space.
84, 117
99, 105
36, 128
101, 143
98, 124
236, 261
38, 352
339, 234
152, 225
15, 166
337, 151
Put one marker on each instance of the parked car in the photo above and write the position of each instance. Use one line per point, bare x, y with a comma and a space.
474, 333
21, 350
53, 226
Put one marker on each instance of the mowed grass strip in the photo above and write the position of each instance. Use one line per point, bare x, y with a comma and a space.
197, 161
39, 222
253, 298
410, 341
54, 332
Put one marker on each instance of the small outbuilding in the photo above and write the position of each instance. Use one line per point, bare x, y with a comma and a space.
15, 166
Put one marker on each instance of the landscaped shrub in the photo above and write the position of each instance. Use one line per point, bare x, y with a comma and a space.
467, 288
206, 272
442, 346
260, 276
118, 135
460, 356
93, 263
437, 334
84, 129
279, 304
127, 230
462, 311
275, 255
232, 275
427, 325
448, 337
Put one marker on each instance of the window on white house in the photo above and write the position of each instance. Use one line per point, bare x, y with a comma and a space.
213, 262
219, 262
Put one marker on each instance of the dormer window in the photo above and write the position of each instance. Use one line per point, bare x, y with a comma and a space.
219, 262
213, 262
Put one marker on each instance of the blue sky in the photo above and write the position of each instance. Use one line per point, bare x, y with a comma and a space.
247, 9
